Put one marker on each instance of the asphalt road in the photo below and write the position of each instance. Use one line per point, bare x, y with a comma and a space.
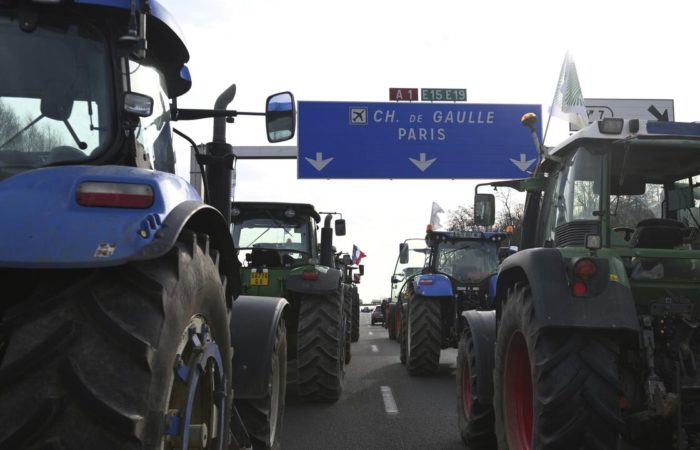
381, 406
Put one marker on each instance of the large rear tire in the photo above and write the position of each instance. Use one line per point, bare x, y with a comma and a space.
424, 335
570, 398
403, 340
474, 418
263, 417
355, 330
347, 312
129, 357
321, 348
391, 321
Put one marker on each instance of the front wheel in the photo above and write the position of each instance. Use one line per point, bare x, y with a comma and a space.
474, 418
263, 417
553, 389
129, 357
391, 321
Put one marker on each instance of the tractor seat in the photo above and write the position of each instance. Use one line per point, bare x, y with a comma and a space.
263, 257
659, 233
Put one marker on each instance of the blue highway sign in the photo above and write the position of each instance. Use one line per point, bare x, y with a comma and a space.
414, 140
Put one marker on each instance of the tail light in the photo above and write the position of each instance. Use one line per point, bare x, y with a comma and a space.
310, 276
114, 195
425, 281
585, 269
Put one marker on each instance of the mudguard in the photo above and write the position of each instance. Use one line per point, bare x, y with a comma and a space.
45, 227
328, 281
432, 285
253, 327
544, 270
483, 327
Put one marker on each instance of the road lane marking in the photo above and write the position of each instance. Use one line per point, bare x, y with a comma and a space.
389, 402
375, 349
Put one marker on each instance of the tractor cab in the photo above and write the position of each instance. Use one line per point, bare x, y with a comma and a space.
274, 235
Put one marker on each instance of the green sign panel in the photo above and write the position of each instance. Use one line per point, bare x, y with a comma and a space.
443, 95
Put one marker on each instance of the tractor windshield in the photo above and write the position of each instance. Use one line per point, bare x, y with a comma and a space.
54, 94
286, 238
468, 261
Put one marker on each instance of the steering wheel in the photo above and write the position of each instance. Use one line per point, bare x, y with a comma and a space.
627, 230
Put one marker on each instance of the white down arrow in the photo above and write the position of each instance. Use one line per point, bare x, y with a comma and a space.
523, 163
422, 163
319, 163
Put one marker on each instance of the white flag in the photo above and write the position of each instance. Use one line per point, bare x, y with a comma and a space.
434, 218
568, 101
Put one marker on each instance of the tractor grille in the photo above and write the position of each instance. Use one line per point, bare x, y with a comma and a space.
574, 233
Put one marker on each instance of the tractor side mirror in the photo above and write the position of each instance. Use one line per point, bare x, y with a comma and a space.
484, 209
137, 104
395, 279
403, 253
347, 260
280, 117
362, 269
340, 227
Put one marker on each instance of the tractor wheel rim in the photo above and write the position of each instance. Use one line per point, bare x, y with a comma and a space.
466, 391
197, 399
517, 394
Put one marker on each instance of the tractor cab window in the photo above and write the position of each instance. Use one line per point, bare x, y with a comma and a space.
271, 242
467, 261
574, 204
153, 134
55, 102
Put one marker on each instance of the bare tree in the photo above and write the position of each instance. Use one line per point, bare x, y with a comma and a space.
461, 218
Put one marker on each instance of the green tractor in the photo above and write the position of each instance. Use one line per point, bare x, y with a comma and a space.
278, 249
594, 340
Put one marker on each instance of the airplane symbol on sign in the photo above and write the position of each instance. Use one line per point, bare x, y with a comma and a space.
358, 116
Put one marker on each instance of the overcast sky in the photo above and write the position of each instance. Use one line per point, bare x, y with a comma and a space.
500, 51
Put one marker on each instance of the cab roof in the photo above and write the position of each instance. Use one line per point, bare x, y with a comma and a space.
300, 209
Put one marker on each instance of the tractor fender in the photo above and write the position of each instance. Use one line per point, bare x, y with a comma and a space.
254, 323
200, 218
482, 325
328, 282
544, 270
432, 285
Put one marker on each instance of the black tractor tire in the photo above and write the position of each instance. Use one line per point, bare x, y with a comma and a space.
571, 398
355, 329
391, 321
424, 335
347, 312
263, 417
474, 418
403, 338
98, 358
321, 348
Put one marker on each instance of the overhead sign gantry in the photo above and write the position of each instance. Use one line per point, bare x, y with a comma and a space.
413, 140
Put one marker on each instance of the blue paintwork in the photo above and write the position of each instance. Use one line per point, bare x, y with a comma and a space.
43, 226
491, 295
377, 140
673, 128
157, 10
441, 286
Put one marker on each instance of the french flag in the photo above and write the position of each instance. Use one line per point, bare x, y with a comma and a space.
357, 254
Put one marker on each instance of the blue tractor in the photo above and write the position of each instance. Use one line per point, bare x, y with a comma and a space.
121, 324
458, 276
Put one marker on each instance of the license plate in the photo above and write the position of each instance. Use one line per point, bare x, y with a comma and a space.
259, 278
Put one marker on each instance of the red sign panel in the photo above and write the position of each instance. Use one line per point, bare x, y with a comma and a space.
403, 94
